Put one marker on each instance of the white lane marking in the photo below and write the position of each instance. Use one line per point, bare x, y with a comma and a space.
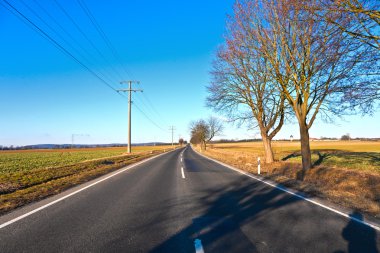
294, 194
183, 173
181, 159
75, 192
198, 246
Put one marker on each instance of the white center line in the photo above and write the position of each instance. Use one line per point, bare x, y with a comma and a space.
198, 246
183, 173
181, 159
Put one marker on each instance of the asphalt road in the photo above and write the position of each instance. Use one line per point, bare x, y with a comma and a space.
158, 207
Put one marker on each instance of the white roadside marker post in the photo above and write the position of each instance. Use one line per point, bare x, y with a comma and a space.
258, 165
198, 246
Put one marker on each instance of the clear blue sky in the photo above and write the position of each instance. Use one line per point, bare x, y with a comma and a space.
168, 45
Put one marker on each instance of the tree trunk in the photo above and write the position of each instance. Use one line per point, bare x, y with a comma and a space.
305, 150
267, 148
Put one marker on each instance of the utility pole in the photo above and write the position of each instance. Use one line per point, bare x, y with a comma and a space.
129, 90
172, 129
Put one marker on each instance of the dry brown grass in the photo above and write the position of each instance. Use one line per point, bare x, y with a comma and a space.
348, 173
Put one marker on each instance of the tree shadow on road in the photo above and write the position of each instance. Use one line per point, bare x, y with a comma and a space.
220, 214
223, 217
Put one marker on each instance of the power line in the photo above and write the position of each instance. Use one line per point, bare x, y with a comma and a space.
148, 118
148, 108
13, 10
102, 34
152, 106
67, 34
148, 113
83, 34
22, 20
55, 43
59, 36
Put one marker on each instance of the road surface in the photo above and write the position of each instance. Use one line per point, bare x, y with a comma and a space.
183, 202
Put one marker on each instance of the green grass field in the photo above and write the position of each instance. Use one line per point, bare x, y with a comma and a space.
30, 175
27, 160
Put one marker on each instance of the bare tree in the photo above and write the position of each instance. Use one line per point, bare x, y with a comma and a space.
215, 127
309, 59
359, 18
345, 137
242, 87
203, 131
199, 132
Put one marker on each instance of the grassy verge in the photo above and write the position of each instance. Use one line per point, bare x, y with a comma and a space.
344, 173
22, 186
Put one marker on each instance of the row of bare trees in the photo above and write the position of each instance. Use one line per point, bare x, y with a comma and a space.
203, 131
285, 59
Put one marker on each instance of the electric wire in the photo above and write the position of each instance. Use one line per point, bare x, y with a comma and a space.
57, 44
83, 33
75, 41
16, 12
143, 106
61, 37
23, 20
103, 35
116, 55
148, 118
152, 106
143, 112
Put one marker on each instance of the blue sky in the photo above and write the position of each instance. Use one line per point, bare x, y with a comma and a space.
167, 45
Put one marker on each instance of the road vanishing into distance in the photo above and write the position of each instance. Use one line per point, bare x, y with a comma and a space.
183, 202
